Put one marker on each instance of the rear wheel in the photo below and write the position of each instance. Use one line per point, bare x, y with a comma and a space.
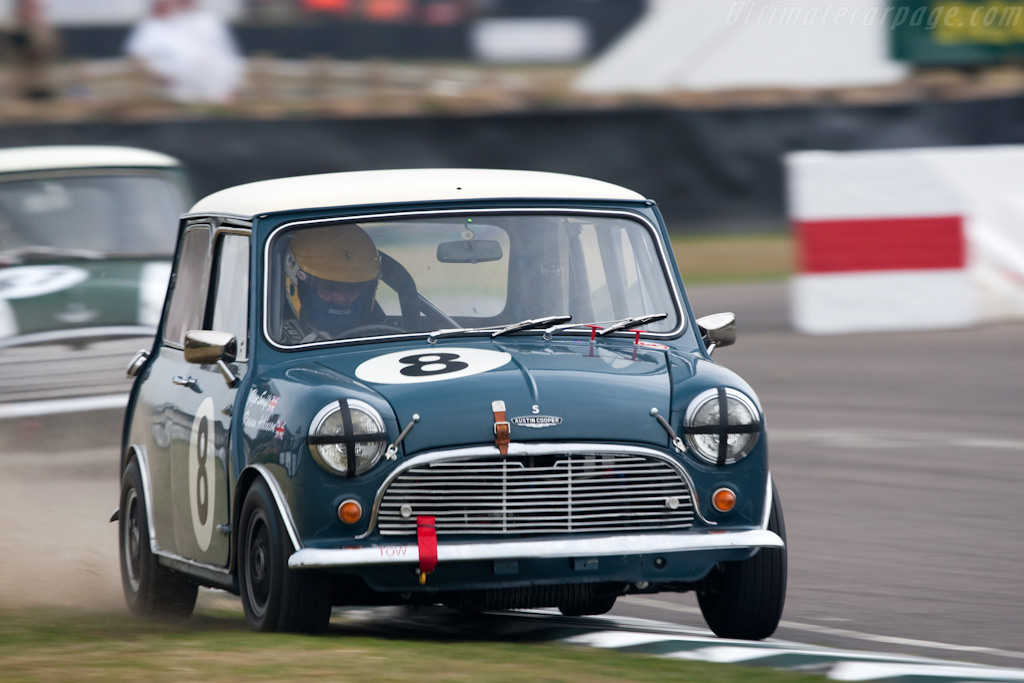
744, 599
595, 604
150, 589
274, 597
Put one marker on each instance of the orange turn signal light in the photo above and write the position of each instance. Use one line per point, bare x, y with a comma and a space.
350, 511
724, 500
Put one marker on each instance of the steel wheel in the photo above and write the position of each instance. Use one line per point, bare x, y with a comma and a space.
274, 597
150, 589
257, 563
131, 541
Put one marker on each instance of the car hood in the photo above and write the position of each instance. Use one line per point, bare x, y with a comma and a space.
559, 390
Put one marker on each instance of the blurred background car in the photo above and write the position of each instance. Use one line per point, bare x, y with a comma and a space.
86, 237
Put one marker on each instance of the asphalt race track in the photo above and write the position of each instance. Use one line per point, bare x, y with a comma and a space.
899, 459
900, 462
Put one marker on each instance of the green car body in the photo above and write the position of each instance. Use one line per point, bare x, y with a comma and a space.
85, 243
531, 419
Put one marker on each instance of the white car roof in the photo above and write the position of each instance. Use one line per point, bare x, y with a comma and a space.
61, 157
405, 185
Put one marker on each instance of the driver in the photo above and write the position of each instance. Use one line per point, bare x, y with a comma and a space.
331, 277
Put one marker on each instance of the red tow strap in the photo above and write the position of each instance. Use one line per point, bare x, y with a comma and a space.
426, 541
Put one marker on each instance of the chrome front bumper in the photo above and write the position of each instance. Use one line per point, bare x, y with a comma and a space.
601, 546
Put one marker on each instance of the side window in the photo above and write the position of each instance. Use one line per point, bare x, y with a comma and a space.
231, 293
188, 297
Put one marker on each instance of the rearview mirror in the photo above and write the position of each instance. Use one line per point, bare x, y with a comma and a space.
469, 251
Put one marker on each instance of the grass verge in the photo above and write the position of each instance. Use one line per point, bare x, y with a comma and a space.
49, 645
742, 256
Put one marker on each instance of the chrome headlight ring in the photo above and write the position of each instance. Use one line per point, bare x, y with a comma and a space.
722, 426
347, 437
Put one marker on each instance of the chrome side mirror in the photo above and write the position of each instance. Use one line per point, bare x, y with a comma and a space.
138, 362
717, 329
205, 347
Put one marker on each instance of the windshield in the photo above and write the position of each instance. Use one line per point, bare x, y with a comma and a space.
464, 274
107, 214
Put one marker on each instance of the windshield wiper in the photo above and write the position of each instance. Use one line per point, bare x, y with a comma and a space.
597, 329
556, 323
495, 331
629, 323
436, 334
530, 324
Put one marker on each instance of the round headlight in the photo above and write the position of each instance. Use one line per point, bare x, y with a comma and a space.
347, 437
722, 426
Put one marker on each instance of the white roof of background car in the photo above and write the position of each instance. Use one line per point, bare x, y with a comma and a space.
60, 157
404, 185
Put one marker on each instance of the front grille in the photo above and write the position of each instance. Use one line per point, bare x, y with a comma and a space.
572, 493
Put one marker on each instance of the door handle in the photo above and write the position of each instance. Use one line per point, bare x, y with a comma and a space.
183, 381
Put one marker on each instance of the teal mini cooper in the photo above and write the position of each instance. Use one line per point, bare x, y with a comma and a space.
475, 388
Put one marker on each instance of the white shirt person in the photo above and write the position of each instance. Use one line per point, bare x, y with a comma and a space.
190, 50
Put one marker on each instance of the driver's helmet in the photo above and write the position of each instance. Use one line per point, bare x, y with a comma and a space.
331, 276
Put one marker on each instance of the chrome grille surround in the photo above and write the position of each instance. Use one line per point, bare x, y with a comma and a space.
538, 489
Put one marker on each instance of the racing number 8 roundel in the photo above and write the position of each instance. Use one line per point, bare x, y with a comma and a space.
201, 472
430, 365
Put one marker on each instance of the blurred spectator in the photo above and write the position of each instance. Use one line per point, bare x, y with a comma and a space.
338, 7
445, 12
271, 11
437, 12
190, 50
388, 10
31, 47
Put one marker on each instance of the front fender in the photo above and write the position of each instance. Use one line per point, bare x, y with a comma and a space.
245, 481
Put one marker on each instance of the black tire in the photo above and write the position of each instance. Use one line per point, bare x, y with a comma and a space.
744, 600
274, 597
596, 604
150, 589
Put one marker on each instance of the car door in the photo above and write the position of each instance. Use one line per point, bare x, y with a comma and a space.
164, 396
200, 458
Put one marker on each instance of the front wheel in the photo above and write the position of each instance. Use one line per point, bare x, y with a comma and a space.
151, 590
274, 597
744, 599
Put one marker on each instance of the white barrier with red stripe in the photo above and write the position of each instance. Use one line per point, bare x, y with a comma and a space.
907, 239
